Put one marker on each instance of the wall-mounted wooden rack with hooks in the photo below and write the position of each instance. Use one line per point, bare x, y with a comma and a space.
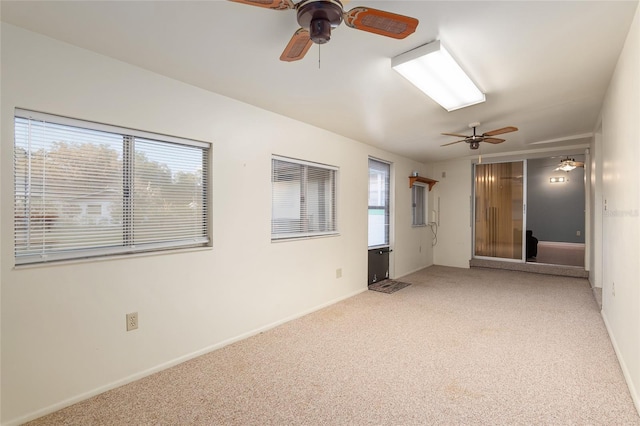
425, 180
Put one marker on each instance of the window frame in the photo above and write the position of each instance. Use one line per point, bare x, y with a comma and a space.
303, 201
161, 241
418, 222
382, 169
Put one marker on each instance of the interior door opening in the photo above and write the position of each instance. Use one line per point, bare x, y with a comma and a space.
556, 211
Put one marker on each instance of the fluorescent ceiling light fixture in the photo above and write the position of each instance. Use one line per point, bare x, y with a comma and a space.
434, 71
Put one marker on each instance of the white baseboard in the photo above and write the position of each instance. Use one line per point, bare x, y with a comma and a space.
411, 272
635, 396
137, 376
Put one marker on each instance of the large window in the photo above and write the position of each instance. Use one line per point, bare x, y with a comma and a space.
303, 199
84, 189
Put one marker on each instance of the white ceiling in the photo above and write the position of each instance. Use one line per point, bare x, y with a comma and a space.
543, 65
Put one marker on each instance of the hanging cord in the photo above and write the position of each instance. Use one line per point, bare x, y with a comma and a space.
434, 231
319, 56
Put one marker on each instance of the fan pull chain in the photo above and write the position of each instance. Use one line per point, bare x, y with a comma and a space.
319, 56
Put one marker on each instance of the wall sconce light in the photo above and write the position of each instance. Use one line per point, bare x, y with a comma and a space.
557, 179
434, 71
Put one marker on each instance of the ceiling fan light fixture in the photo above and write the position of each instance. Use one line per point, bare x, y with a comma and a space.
566, 167
433, 70
320, 31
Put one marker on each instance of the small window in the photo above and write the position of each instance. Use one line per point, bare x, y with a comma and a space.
418, 205
379, 211
85, 189
303, 199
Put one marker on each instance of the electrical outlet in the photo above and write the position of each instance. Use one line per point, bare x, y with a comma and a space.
132, 321
339, 273
578, 233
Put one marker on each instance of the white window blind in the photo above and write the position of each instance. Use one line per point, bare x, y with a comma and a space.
418, 205
303, 199
84, 189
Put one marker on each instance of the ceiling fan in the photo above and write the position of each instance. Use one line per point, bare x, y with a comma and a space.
475, 139
567, 164
318, 17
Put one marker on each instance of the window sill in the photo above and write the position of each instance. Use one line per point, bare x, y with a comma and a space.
110, 258
305, 237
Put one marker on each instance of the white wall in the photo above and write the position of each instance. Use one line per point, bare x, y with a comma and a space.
1, 233
595, 210
63, 333
454, 220
416, 248
621, 213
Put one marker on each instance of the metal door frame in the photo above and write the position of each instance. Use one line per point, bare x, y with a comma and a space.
523, 258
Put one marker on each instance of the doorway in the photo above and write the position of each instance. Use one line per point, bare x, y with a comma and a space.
530, 211
499, 190
379, 214
556, 211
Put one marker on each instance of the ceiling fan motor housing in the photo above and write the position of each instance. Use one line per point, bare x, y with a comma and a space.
319, 17
320, 31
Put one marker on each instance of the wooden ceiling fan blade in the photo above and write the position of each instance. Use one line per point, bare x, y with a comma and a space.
500, 131
451, 143
455, 134
493, 140
297, 46
269, 4
380, 22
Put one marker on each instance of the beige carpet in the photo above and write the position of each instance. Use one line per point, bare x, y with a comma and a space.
456, 347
